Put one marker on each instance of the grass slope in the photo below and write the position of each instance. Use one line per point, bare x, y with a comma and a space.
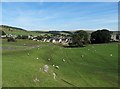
17, 31
20, 31
95, 69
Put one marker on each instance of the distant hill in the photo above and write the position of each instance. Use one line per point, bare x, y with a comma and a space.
20, 31
11, 28
16, 30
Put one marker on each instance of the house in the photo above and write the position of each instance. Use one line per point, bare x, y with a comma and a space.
3, 36
55, 40
115, 36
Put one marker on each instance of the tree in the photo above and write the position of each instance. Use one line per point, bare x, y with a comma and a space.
80, 38
101, 36
118, 36
3, 33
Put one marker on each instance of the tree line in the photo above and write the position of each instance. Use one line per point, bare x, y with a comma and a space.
81, 38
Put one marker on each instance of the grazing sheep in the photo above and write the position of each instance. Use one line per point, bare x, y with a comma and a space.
63, 60
37, 58
36, 80
54, 75
24, 44
28, 54
45, 68
110, 54
49, 59
82, 56
53, 65
57, 67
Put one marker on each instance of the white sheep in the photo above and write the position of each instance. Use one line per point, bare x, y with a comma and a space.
54, 75
63, 60
57, 67
45, 68
28, 54
82, 56
36, 80
37, 58
24, 44
49, 59
110, 54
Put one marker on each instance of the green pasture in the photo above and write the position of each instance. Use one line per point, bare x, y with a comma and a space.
91, 66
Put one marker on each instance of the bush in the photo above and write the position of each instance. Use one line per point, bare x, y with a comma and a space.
3, 33
22, 37
19, 37
80, 38
101, 36
11, 39
38, 37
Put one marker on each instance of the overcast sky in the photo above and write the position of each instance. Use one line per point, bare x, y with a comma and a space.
61, 15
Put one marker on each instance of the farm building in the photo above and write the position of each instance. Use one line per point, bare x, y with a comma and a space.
115, 36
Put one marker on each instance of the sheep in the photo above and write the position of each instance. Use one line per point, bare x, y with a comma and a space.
54, 75
28, 54
53, 65
45, 68
36, 80
82, 56
24, 44
49, 59
110, 54
63, 60
57, 67
37, 58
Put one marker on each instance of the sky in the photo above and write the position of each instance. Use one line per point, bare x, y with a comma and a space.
61, 15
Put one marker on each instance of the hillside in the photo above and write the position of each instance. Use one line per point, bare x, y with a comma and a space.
16, 31
91, 66
20, 31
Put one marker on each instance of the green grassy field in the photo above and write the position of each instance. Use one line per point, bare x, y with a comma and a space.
98, 67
